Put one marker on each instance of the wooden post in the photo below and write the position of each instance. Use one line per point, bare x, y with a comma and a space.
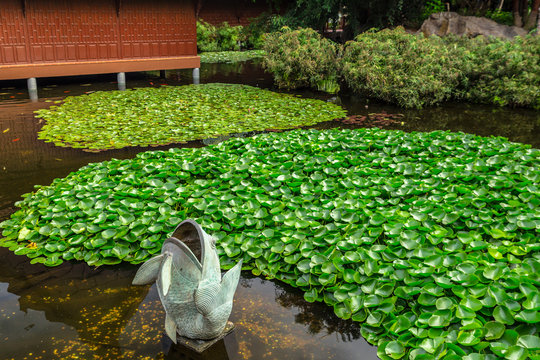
121, 81
32, 89
196, 76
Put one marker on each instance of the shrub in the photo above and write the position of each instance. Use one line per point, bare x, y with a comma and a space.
401, 68
504, 72
219, 38
230, 37
410, 70
302, 58
502, 17
414, 71
207, 37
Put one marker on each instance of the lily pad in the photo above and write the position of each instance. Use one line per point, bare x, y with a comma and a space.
158, 116
357, 219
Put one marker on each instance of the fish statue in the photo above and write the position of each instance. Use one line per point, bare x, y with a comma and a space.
196, 299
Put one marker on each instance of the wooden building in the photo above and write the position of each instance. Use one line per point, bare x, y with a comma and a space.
42, 38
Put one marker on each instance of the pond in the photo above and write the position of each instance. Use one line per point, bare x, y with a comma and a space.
75, 311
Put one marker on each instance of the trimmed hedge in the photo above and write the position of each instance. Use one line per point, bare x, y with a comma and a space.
302, 58
411, 70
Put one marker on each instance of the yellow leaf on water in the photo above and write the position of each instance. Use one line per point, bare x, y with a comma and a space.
5, 131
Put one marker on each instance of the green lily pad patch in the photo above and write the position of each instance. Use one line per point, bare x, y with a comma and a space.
213, 57
159, 116
428, 240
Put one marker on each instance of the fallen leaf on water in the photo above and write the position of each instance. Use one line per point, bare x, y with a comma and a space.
86, 84
66, 91
5, 93
57, 159
17, 139
5, 131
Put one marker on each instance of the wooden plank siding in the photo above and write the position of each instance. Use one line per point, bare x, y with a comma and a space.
74, 37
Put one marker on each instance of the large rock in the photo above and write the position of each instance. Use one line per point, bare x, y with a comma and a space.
452, 23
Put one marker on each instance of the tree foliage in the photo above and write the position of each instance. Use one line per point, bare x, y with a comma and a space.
360, 14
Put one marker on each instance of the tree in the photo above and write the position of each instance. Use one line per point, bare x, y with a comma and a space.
360, 14
529, 20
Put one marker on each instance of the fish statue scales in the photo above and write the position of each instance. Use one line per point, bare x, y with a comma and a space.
196, 299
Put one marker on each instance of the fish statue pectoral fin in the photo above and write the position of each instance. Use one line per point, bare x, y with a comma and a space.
170, 328
148, 272
205, 297
166, 274
229, 283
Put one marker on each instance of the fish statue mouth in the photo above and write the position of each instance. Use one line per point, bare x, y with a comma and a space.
196, 298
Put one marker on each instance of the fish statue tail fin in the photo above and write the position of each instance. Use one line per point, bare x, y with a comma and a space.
148, 272
229, 282
170, 328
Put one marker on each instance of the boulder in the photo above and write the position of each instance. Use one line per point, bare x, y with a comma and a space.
445, 23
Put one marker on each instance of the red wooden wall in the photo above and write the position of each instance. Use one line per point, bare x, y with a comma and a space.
110, 32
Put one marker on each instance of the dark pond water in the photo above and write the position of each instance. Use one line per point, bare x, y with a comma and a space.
77, 312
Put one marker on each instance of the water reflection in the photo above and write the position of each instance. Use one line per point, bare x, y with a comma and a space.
95, 302
218, 351
309, 314
518, 125
74, 310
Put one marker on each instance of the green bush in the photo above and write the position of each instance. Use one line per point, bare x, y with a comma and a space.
219, 38
401, 68
302, 58
207, 37
230, 37
415, 71
502, 17
504, 72
410, 70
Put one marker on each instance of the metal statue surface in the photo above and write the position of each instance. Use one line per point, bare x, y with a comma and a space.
197, 301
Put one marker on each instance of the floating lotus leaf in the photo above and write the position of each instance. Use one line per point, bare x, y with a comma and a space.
428, 240
212, 57
159, 116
